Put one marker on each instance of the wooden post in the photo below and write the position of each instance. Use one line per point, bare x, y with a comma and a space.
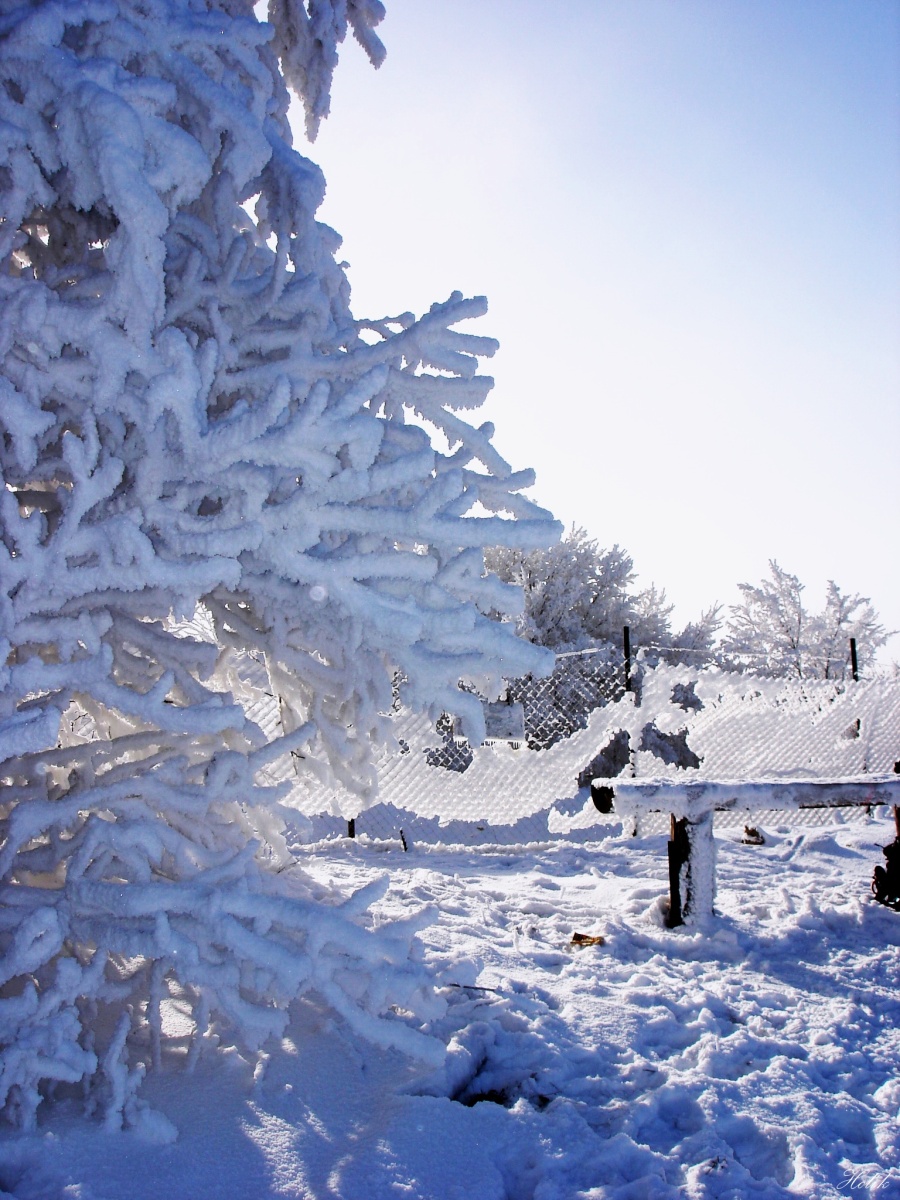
692, 870
679, 854
701, 874
351, 827
602, 796
854, 661
626, 645
897, 819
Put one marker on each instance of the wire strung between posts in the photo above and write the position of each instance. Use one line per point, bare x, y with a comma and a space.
758, 654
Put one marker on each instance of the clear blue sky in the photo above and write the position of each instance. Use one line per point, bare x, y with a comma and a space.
685, 215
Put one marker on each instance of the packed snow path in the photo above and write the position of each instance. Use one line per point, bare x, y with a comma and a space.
758, 1059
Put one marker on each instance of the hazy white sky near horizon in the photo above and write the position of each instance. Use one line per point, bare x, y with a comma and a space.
685, 215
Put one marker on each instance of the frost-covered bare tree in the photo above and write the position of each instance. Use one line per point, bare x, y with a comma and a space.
844, 617
771, 632
192, 420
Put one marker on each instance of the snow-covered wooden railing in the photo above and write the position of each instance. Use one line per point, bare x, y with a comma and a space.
692, 852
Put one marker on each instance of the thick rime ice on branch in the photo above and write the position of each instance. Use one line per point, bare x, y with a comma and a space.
308, 33
190, 417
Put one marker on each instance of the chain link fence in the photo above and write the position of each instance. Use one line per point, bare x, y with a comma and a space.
521, 793
552, 709
401, 829
558, 706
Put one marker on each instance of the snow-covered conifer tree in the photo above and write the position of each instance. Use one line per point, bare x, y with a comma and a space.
192, 420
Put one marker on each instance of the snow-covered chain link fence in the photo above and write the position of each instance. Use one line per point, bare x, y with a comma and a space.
552, 709
558, 706
581, 723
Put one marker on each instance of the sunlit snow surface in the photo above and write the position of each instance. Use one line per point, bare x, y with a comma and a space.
759, 1059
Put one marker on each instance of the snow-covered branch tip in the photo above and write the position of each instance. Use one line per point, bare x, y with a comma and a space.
307, 36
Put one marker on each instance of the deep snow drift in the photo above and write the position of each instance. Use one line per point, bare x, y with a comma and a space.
759, 1058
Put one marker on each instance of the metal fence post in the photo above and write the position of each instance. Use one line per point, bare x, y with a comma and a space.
626, 642
854, 661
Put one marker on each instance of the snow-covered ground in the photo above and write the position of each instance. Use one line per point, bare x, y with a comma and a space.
759, 1058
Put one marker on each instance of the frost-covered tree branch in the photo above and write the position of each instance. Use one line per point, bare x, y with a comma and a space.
307, 36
